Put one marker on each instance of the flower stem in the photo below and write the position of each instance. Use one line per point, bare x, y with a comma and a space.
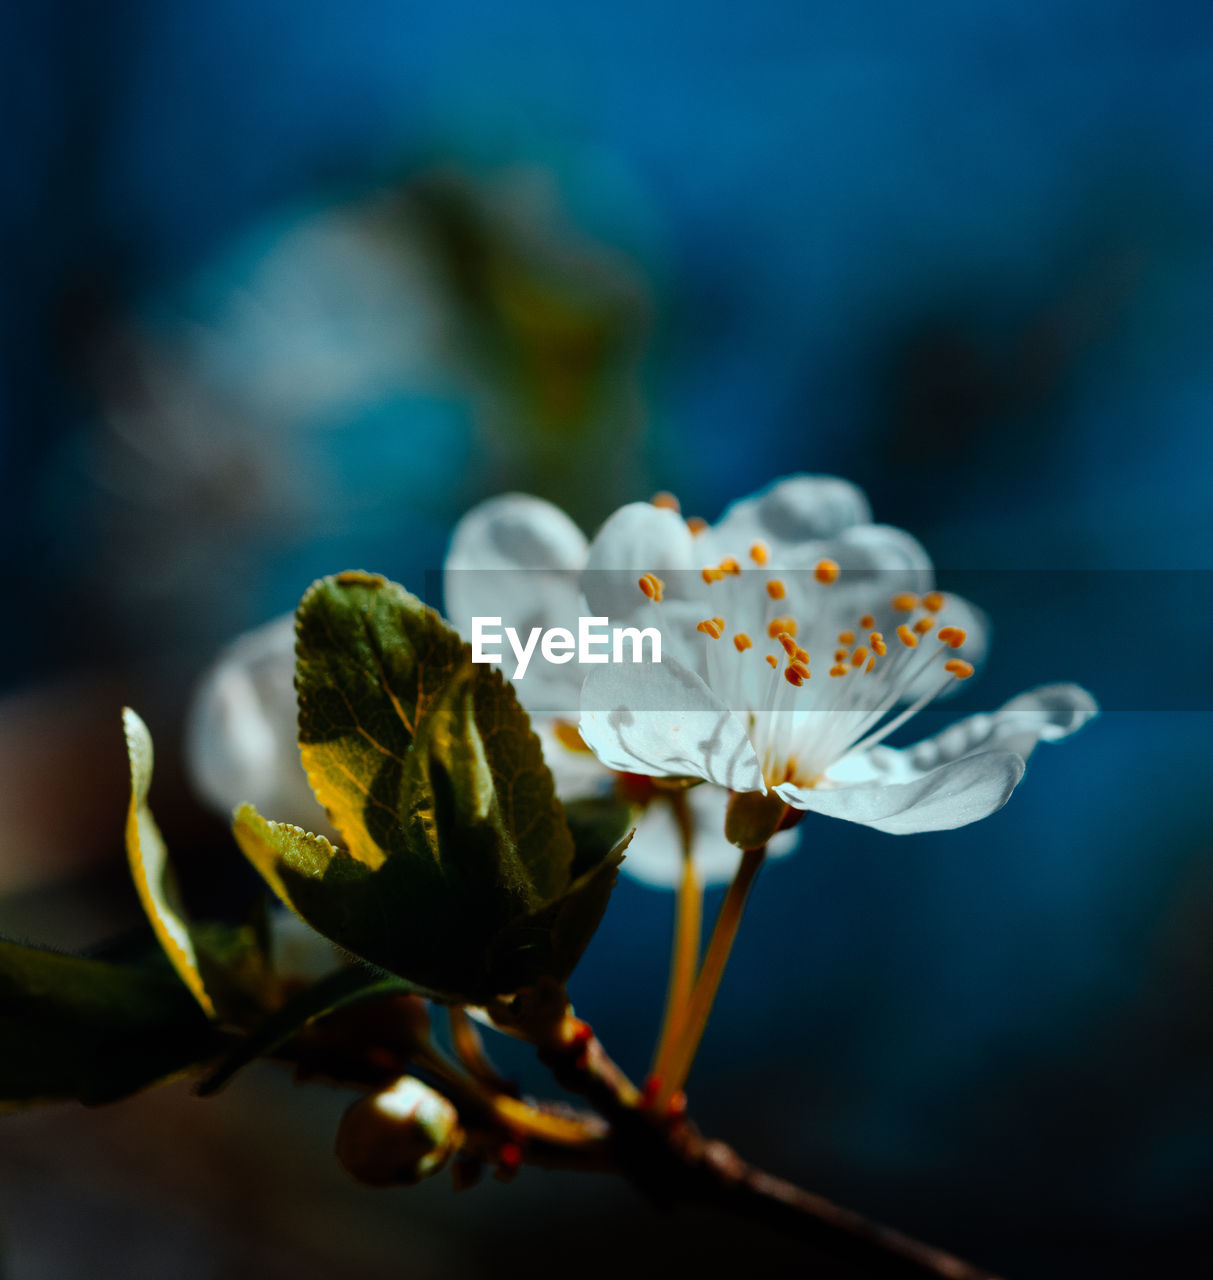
687, 930
708, 983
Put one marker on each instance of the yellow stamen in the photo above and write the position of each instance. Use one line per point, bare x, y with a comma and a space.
923, 625
789, 645
871, 664
904, 602
709, 628
777, 625
801, 655
839, 670
859, 656
742, 642
827, 571
955, 636
712, 574
666, 501
932, 602
876, 640
776, 590
719, 622
652, 586
760, 553
772, 661
906, 636
961, 669
846, 637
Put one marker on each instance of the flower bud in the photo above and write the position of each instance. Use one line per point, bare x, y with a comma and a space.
398, 1136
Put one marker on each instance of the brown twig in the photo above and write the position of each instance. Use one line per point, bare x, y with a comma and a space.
667, 1158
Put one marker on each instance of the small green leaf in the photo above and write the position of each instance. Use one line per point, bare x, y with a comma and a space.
151, 870
427, 765
223, 966
86, 1029
371, 662
338, 990
598, 824
549, 942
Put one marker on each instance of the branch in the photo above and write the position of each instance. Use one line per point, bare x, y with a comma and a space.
667, 1158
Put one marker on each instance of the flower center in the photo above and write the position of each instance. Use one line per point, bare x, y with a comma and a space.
886, 654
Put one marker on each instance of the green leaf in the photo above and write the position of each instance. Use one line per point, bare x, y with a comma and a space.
151, 870
549, 942
458, 870
86, 1029
371, 662
223, 966
338, 990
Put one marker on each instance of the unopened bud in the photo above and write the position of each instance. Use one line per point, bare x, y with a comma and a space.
399, 1136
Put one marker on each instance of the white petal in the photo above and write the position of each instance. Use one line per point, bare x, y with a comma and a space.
517, 558
241, 737
952, 795
639, 538
661, 720
1047, 714
654, 856
794, 510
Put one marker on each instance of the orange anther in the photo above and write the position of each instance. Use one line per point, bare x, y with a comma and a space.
801, 655
840, 655
742, 642
839, 670
789, 645
795, 676
923, 625
955, 636
876, 640
696, 524
729, 565
906, 636
933, 601
709, 628
801, 668
961, 669
760, 553
776, 590
712, 574
772, 661
871, 664
859, 656
719, 622
652, 586
846, 637
776, 625
826, 571
867, 622
666, 501
904, 602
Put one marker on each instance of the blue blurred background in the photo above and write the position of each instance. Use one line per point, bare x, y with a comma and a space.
288, 287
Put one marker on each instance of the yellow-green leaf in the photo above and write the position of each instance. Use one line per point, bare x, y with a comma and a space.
151, 870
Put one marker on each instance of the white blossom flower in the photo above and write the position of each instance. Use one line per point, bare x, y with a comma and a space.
521, 559
797, 637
